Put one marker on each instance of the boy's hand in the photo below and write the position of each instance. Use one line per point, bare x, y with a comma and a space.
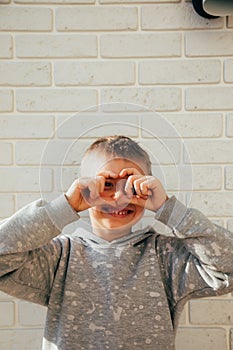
145, 191
84, 192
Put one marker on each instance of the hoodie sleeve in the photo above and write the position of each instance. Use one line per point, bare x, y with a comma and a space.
29, 251
197, 257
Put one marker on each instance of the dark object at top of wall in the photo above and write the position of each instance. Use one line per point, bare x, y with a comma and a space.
213, 8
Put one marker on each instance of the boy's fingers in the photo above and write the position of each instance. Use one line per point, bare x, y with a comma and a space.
100, 183
129, 171
146, 187
91, 187
108, 174
129, 186
138, 200
133, 185
141, 188
81, 183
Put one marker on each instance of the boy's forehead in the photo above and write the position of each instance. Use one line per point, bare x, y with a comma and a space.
95, 162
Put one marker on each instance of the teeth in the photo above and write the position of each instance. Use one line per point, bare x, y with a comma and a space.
122, 212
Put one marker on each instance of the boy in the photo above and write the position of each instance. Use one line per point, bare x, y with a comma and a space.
112, 288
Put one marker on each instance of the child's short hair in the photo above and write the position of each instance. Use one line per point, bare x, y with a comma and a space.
121, 146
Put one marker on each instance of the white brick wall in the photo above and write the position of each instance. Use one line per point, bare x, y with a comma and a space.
95, 18
180, 16
55, 46
13, 18
73, 70
140, 45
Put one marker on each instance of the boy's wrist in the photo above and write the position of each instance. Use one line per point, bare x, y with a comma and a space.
159, 209
171, 213
60, 212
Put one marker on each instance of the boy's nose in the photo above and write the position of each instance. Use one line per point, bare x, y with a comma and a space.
119, 194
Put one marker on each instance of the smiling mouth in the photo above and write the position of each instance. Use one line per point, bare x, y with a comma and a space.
116, 212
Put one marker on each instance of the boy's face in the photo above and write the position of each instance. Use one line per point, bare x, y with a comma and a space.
117, 215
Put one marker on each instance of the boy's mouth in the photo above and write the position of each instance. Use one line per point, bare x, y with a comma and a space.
117, 212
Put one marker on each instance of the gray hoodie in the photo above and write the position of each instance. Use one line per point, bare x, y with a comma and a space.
125, 294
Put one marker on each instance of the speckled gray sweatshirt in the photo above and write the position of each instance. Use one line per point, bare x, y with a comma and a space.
125, 294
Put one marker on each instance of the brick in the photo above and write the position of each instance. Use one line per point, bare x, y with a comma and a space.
174, 16
207, 178
7, 206
179, 71
24, 179
141, 45
230, 225
31, 19
211, 312
209, 43
229, 178
96, 18
25, 74
82, 125
30, 152
6, 153
23, 199
54, 152
210, 151
183, 316
228, 71
30, 314
6, 100
28, 126
76, 151
54, 2
65, 178
188, 178
6, 47
94, 73
138, 99
230, 22
50, 100
135, 1
229, 125
5, 296
213, 204
163, 152
198, 125
231, 339
56, 46
201, 338
209, 98
6, 313
17, 339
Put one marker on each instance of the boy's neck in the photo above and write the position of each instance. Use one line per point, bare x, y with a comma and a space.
111, 235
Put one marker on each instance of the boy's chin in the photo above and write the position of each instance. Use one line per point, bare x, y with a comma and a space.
110, 232
118, 228
120, 225
110, 227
